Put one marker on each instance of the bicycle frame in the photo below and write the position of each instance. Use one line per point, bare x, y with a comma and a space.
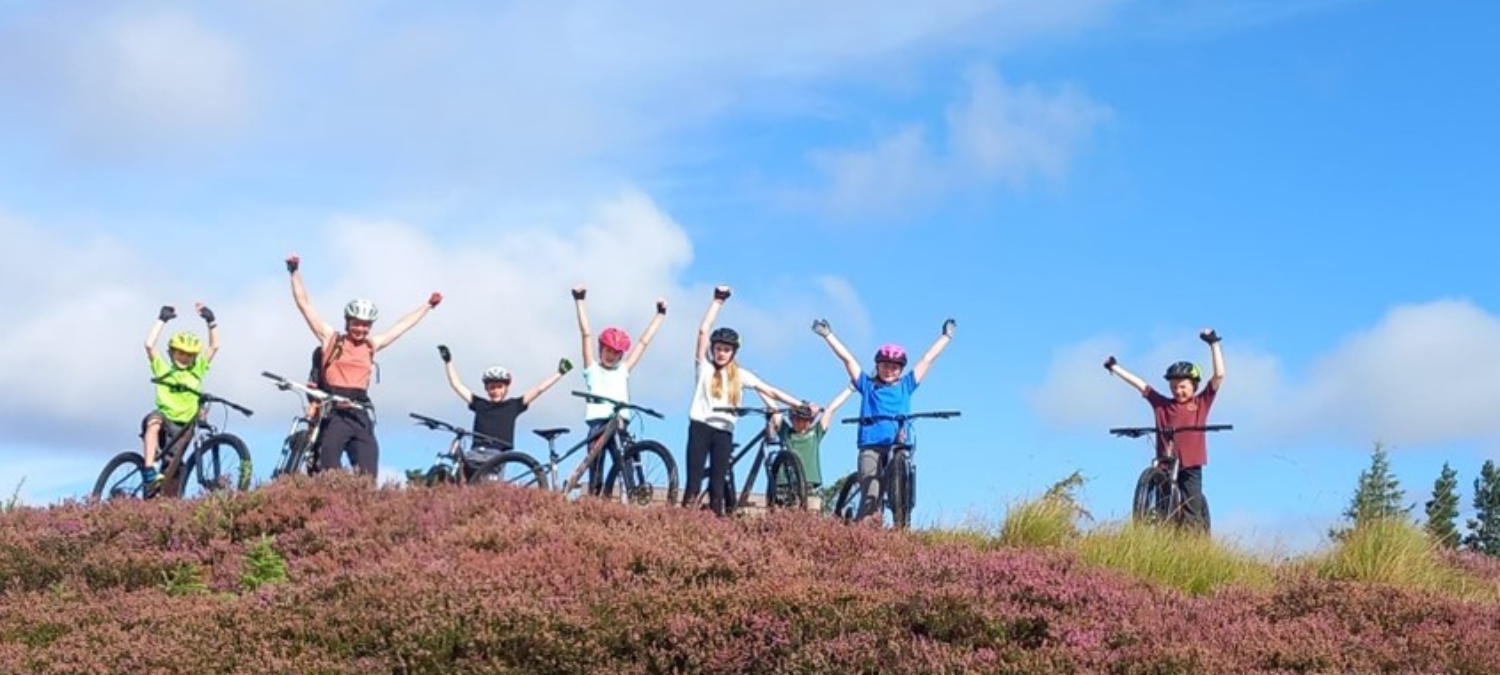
903, 447
326, 402
1167, 462
765, 444
458, 449
619, 452
181, 448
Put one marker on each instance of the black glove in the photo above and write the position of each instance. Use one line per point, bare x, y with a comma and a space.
207, 314
822, 328
291, 264
661, 306
167, 313
721, 293
948, 327
443, 352
1110, 363
578, 293
563, 366
1210, 336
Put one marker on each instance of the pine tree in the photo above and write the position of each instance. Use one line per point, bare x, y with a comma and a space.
1442, 509
1484, 527
1377, 496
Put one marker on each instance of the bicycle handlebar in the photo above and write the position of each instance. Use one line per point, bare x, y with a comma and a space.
203, 396
435, 424
940, 414
1137, 432
322, 396
618, 405
742, 411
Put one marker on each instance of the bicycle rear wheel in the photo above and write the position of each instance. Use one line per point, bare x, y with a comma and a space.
221, 463
785, 484
512, 468
846, 506
121, 477
653, 474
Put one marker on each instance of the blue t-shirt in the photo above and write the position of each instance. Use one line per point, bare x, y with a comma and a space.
876, 398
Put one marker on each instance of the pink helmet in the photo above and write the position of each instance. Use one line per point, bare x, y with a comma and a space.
615, 339
892, 353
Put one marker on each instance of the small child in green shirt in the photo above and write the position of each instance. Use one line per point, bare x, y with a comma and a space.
803, 435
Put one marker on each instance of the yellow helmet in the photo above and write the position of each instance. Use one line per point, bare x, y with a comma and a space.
186, 343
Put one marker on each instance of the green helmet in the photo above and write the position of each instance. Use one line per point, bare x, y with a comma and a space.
1184, 370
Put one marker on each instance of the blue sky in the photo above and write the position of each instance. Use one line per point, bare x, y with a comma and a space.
1318, 180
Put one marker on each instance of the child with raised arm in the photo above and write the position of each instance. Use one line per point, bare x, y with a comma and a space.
888, 393
720, 383
495, 415
179, 382
1187, 406
803, 435
607, 374
348, 362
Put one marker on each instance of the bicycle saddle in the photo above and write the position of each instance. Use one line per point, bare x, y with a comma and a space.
549, 434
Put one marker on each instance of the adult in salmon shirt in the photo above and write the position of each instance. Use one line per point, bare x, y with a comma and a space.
348, 360
1187, 406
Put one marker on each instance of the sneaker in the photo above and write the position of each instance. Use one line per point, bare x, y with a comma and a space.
150, 476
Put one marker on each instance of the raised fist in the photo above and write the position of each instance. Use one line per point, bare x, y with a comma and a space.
434, 299
948, 327
167, 313
206, 313
291, 263
445, 354
822, 328
1110, 363
1209, 335
563, 366
579, 292
721, 293
661, 306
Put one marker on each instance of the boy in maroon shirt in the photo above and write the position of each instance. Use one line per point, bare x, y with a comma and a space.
1185, 407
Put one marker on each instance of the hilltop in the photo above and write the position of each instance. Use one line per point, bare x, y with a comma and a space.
328, 576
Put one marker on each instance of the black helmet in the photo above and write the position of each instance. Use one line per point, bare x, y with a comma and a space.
725, 335
1183, 370
802, 411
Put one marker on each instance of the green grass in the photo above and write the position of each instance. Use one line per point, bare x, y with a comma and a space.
1189, 562
1397, 552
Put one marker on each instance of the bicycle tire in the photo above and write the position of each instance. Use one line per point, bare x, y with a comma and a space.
1157, 499
635, 456
526, 471
786, 484
294, 452
846, 507
132, 477
897, 489
205, 466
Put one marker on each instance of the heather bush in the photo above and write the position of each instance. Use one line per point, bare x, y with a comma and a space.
1177, 558
327, 575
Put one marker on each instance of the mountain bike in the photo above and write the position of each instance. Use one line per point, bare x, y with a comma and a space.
897, 472
1158, 495
786, 484
197, 459
299, 452
638, 467
458, 464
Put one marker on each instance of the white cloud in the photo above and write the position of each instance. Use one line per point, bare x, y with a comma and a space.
1425, 375
996, 132
79, 311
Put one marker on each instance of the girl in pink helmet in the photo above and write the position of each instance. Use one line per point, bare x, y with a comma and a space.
607, 374
888, 393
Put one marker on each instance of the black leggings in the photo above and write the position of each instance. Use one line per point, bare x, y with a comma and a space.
350, 432
710, 446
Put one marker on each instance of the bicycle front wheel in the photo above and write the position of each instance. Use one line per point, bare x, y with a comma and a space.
221, 463
121, 477
898, 494
653, 475
786, 487
295, 452
511, 468
1156, 499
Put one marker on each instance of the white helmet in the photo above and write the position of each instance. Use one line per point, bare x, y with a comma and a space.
496, 374
361, 309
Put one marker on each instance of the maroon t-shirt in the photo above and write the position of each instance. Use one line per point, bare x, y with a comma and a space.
1192, 446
